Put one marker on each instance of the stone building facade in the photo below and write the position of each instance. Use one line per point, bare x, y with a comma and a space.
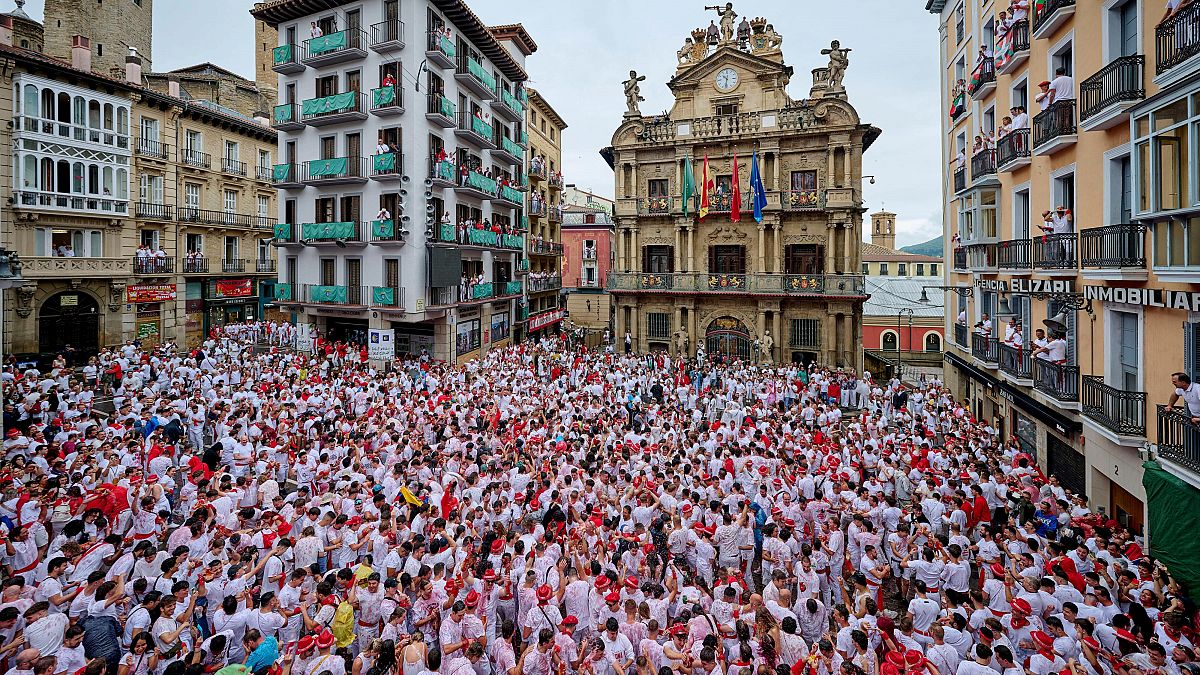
787, 288
544, 243
112, 28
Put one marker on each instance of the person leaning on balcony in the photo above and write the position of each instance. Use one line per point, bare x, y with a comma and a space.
984, 326
1018, 9
389, 80
1043, 97
1190, 393
381, 148
315, 31
1059, 221
1055, 349
1173, 7
1062, 87
1020, 119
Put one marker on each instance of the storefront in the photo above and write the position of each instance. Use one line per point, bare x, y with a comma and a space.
500, 332
468, 334
548, 321
353, 331
148, 302
230, 301
413, 338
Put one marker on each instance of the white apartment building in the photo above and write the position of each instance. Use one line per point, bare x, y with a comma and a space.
372, 94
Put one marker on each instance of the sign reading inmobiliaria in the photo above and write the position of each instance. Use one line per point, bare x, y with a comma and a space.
150, 292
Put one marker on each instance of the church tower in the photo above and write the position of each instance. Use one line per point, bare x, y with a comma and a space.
266, 39
113, 26
883, 230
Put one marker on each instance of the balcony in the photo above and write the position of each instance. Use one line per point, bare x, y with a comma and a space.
543, 247
555, 214
507, 151
1106, 97
152, 149
439, 50
1056, 380
340, 234
1177, 40
479, 186
472, 75
387, 36
523, 266
1012, 150
286, 176
960, 335
1054, 128
802, 200
357, 296
1056, 254
1012, 50
195, 265
195, 159
960, 259
958, 107
264, 266
387, 101
190, 214
56, 201
388, 297
443, 174
985, 349
779, 285
536, 209
264, 173
1017, 364
983, 79
1054, 13
58, 268
537, 172
232, 166
475, 131
440, 110
287, 234
1015, 256
1113, 252
1178, 438
960, 179
349, 106
982, 257
153, 211
556, 181
285, 59
386, 232
544, 284
1121, 412
655, 206
983, 167
335, 171
510, 108
589, 254
286, 117
511, 196
149, 266
233, 266
340, 47
387, 167
447, 233
284, 293
582, 282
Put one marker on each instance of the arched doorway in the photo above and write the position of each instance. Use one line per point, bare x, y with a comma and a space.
933, 342
69, 318
729, 337
889, 343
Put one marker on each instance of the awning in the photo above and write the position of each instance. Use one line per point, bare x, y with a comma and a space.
1029, 405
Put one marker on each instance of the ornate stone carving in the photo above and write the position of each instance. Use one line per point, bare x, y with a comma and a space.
839, 60
727, 16
633, 94
726, 232
803, 239
25, 293
763, 38
116, 297
657, 241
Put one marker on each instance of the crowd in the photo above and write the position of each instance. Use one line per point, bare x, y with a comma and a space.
548, 511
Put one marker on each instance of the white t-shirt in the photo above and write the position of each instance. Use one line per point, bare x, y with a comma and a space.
1191, 398
1063, 88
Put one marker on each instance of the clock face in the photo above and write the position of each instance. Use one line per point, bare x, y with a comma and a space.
727, 79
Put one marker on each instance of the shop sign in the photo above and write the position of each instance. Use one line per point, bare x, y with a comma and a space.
147, 330
997, 285
306, 336
150, 292
539, 321
233, 288
1149, 297
1024, 286
382, 344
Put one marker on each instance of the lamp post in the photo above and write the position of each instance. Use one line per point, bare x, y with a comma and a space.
899, 352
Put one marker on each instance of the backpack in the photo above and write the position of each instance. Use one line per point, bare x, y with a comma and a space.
342, 625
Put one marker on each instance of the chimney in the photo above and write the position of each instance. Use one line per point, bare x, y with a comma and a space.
133, 67
81, 53
6, 29
173, 86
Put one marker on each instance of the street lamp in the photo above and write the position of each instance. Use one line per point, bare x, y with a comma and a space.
899, 353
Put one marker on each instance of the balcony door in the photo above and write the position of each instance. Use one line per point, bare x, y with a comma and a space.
658, 259
354, 280
328, 272
727, 259
804, 259
1125, 351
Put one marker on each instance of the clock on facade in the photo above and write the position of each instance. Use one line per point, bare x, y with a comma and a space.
727, 79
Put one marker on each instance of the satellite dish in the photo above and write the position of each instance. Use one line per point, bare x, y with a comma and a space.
1057, 323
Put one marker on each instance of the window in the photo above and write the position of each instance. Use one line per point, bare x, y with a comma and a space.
230, 201
866, 268
933, 342
1122, 30
658, 259
1064, 191
1177, 242
150, 189
920, 269
231, 247
727, 259
191, 200
805, 333
1055, 307
658, 324
902, 269
231, 151
264, 206
1021, 214
149, 129
883, 269
264, 159
804, 259
727, 109
658, 187
804, 180
1125, 330
264, 249
194, 243
1063, 58
933, 269
149, 238
1019, 94
960, 21
889, 342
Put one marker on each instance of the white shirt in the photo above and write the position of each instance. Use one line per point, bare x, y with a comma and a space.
1191, 398
1062, 88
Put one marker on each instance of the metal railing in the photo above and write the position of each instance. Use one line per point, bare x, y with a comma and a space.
233, 266
195, 265
71, 202
437, 104
319, 294
1016, 361
154, 211
476, 72
190, 214
1012, 146
545, 247
983, 163
387, 296
1055, 251
1178, 438
960, 179
1015, 41
387, 31
285, 113
1119, 81
985, 348
285, 173
1056, 380
960, 335
391, 96
266, 173
981, 256
1113, 246
233, 166
152, 149
1048, 10
1177, 39
339, 42
265, 265
546, 284
356, 167
150, 265
1056, 121
481, 132
589, 254
1015, 254
764, 284
360, 105
986, 75
1121, 412
189, 157
802, 200
655, 206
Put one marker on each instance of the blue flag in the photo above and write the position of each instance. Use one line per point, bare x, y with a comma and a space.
758, 195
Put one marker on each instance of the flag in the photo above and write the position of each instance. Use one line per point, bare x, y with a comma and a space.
758, 195
689, 183
704, 189
735, 211
410, 497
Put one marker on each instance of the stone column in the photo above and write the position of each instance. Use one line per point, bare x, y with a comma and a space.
847, 255
762, 245
691, 248
633, 250
677, 253
830, 179
777, 334
830, 245
678, 325
692, 327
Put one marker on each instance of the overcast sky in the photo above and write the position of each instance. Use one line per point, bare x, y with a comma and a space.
587, 47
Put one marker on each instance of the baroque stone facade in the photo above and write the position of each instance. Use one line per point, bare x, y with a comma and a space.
783, 288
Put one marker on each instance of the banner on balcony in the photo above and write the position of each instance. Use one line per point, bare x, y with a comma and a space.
385, 162
383, 296
383, 229
483, 238
281, 172
283, 113
480, 291
482, 128
283, 231
444, 170
447, 107
328, 167
512, 103
384, 96
446, 45
1171, 507
481, 182
335, 294
327, 43
381, 343
232, 288
512, 288
512, 241
150, 292
283, 292
320, 106
446, 232
284, 54
328, 231
476, 69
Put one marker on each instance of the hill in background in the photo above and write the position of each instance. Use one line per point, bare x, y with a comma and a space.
932, 247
